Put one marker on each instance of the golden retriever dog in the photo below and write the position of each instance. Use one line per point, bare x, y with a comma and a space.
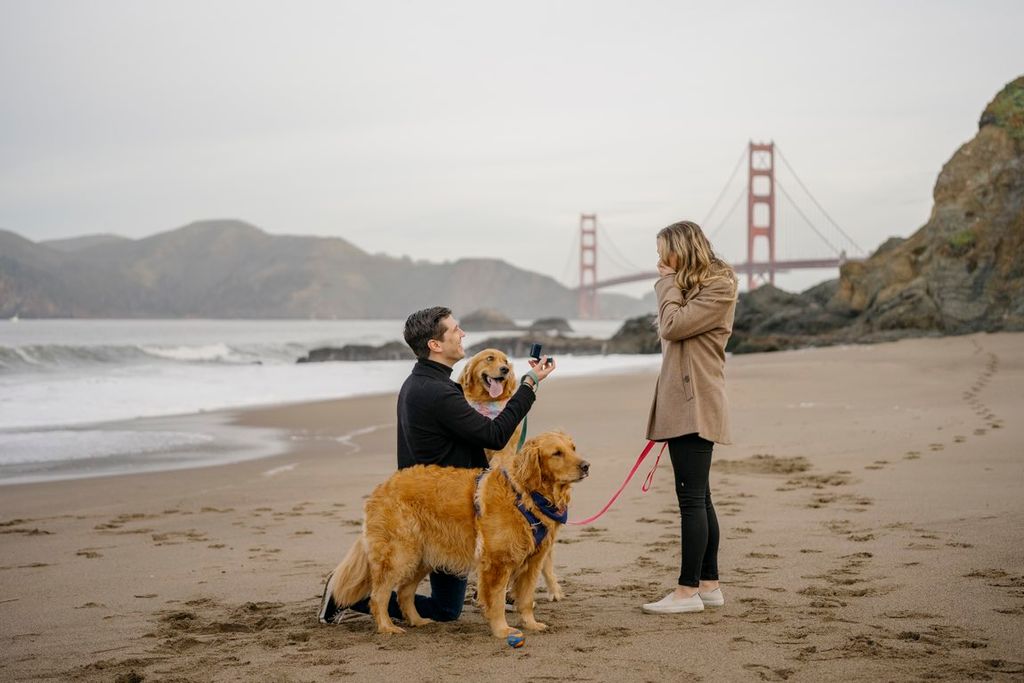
488, 381
428, 517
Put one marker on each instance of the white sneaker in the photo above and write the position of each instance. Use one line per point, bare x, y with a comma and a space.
712, 598
670, 604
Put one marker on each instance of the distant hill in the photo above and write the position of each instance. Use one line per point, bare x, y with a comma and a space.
231, 269
73, 244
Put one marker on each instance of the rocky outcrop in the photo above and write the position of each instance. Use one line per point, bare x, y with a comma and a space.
961, 272
637, 335
389, 351
487, 320
519, 346
550, 326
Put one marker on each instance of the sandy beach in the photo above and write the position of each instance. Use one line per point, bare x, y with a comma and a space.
871, 510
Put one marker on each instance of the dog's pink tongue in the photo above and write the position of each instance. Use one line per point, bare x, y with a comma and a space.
493, 388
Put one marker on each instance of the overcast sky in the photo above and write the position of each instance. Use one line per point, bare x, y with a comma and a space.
443, 130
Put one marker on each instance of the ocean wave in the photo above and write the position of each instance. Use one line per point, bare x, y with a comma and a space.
207, 353
41, 357
36, 447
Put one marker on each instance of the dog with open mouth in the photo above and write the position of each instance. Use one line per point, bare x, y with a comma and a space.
488, 381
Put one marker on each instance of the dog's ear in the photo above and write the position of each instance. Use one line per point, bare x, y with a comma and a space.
528, 467
466, 378
511, 383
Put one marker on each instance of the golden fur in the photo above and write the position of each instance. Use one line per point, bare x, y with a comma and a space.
489, 363
423, 518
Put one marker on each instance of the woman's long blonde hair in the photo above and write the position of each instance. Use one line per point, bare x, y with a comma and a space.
696, 262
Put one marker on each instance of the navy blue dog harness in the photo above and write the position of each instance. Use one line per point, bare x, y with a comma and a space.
546, 507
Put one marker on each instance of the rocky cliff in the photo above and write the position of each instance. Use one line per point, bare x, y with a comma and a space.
962, 271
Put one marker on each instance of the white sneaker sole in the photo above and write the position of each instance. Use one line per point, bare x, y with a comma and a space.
675, 609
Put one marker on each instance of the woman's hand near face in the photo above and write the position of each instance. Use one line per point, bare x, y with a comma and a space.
664, 269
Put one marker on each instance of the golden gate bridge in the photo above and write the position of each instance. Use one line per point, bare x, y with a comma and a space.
761, 263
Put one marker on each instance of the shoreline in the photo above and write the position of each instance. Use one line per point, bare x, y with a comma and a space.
871, 529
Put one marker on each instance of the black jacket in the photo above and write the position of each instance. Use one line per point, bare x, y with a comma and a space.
436, 426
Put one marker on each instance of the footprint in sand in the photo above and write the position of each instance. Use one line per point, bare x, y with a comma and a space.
843, 527
661, 545
936, 446
850, 502
766, 673
178, 537
762, 464
649, 520
820, 481
114, 525
88, 553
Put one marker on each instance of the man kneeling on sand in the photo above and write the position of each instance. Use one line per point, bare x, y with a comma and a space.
436, 426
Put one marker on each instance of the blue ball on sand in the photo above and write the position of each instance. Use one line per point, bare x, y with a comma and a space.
516, 639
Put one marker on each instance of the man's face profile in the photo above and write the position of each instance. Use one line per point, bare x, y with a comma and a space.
449, 347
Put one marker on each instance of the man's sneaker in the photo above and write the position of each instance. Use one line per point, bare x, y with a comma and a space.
712, 598
510, 603
348, 614
329, 610
670, 604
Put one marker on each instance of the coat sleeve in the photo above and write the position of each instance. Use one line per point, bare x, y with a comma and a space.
459, 418
679, 319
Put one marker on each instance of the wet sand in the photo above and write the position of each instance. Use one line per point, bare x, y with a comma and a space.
871, 512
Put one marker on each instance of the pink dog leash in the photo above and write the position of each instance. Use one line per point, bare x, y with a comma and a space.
647, 482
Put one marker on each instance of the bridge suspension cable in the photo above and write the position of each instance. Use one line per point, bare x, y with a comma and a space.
808, 220
620, 259
816, 203
573, 251
739, 162
732, 210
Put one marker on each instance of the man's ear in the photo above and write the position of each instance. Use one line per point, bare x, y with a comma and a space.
436, 348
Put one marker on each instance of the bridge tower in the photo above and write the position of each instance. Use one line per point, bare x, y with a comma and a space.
761, 206
588, 307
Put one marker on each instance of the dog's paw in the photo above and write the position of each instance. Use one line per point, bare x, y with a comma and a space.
502, 631
534, 625
421, 621
556, 595
390, 630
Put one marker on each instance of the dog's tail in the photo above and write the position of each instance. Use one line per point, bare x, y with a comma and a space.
347, 584
351, 578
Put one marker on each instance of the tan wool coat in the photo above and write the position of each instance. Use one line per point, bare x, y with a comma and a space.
690, 394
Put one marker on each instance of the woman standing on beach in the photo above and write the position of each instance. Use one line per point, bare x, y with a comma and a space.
696, 305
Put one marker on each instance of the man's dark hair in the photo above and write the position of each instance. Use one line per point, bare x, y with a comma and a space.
422, 326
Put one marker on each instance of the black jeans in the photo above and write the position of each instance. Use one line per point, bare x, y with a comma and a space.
691, 463
447, 594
